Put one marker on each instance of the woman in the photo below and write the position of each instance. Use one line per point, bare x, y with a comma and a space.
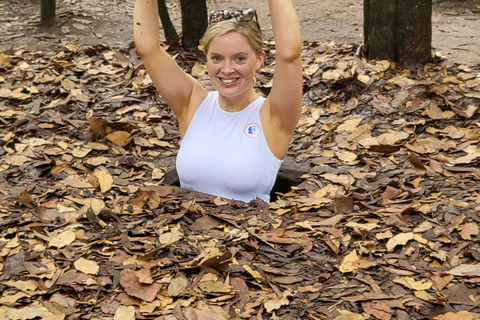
233, 140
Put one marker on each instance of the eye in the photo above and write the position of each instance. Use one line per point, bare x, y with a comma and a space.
215, 58
241, 59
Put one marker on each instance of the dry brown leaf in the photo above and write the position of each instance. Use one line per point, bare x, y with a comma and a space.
399, 239
469, 158
60, 316
424, 226
214, 287
28, 285
348, 315
125, 313
63, 239
150, 307
120, 138
461, 315
5, 59
86, 266
206, 314
132, 286
391, 193
413, 284
27, 313
277, 303
16, 160
469, 230
170, 237
424, 295
362, 226
465, 270
220, 201
379, 310
94, 204
350, 125
416, 161
384, 235
12, 299
145, 276
343, 179
76, 182
331, 74
347, 262
81, 152
199, 69
441, 281
158, 174
346, 156
177, 287
105, 179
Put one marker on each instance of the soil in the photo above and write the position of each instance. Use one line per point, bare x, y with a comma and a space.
456, 26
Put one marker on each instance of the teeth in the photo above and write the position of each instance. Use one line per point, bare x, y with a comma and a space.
227, 80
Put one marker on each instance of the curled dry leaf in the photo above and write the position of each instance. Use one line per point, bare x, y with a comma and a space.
132, 286
416, 161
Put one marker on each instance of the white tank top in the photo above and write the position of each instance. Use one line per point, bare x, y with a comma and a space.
226, 154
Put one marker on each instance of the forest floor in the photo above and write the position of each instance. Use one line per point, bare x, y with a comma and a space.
384, 224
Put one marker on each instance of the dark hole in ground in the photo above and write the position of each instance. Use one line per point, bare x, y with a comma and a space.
287, 178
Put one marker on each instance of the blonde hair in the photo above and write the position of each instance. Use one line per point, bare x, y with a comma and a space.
248, 29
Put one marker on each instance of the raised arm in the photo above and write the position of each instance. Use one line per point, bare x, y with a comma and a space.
178, 89
285, 98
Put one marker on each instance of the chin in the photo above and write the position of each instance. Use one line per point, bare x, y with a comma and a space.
230, 92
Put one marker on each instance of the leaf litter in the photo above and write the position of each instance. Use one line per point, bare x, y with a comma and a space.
385, 225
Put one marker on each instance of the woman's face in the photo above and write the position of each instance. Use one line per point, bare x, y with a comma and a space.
231, 64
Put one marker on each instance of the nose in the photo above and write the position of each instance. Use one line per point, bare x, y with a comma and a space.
227, 67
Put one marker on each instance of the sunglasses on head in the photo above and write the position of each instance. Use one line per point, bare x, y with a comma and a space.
241, 15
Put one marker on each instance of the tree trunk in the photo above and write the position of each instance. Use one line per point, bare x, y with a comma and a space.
194, 22
47, 11
168, 28
399, 30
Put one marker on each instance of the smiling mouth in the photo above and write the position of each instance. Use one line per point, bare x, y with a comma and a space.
228, 81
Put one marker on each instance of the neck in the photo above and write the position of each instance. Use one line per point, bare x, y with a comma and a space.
237, 103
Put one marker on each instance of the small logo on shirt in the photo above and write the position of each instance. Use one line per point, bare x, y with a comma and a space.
252, 130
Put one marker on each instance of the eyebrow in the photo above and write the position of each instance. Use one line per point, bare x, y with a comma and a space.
236, 54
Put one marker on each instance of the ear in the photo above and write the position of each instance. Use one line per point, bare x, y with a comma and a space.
260, 58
